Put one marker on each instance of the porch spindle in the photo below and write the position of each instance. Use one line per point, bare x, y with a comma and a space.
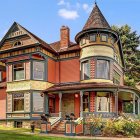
116, 103
60, 104
134, 104
81, 104
139, 106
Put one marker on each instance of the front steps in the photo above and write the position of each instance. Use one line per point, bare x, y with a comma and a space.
59, 128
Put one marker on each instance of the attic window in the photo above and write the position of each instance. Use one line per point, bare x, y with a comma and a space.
18, 43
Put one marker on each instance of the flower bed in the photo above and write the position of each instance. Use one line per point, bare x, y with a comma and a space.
121, 126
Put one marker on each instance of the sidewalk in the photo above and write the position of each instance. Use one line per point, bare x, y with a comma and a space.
87, 137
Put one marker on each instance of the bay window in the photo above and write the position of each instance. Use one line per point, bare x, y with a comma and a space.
85, 70
38, 102
103, 69
38, 70
18, 102
18, 71
103, 102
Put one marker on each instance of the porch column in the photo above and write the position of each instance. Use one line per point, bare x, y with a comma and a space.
138, 106
134, 104
116, 103
46, 104
81, 104
60, 104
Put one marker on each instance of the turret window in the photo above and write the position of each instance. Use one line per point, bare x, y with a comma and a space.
85, 70
83, 41
103, 69
104, 38
92, 38
116, 78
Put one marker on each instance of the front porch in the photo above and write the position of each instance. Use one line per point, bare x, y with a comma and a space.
99, 99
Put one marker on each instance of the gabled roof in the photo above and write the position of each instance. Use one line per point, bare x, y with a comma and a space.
72, 47
17, 26
96, 19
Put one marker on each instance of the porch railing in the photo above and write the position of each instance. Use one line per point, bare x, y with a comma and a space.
102, 114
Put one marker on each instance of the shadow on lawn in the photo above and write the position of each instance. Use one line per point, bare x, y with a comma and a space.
18, 134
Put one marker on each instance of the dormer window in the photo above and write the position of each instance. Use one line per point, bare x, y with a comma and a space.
104, 37
18, 43
92, 38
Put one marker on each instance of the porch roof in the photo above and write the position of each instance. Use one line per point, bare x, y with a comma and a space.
82, 86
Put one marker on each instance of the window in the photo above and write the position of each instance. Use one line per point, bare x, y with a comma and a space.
104, 38
116, 78
103, 69
18, 71
38, 102
85, 70
83, 41
116, 57
0, 76
38, 70
86, 102
112, 40
18, 43
103, 102
18, 102
92, 38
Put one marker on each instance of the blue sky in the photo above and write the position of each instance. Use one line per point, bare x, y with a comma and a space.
45, 17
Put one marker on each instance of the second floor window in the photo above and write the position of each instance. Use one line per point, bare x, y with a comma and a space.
85, 70
92, 38
38, 70
116, 78
103, 69
18, 71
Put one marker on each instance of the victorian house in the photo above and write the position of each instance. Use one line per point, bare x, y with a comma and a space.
86, 77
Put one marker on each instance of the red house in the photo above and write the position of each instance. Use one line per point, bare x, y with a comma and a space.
86, 77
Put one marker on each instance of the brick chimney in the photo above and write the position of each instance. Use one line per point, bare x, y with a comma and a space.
64, 37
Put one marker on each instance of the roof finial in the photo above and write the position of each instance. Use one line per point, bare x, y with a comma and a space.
95, 2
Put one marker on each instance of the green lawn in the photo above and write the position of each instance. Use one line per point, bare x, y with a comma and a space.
20, 134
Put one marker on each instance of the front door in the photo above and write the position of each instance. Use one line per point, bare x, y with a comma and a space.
67, 104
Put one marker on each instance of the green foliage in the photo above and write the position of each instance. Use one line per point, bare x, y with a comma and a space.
130, 43
122, 126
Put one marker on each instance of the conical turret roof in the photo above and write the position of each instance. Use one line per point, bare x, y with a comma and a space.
96, 19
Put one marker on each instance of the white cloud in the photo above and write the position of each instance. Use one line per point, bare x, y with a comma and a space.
68, 14
87, 8
61, 2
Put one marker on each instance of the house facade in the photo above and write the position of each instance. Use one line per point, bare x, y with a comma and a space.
86, 77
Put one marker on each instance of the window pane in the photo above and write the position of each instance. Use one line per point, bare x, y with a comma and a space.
85, 70
102, 69
18, 101
103, 101
38, 70
92, 38
86, 102
104, 38
37, 102
18, 71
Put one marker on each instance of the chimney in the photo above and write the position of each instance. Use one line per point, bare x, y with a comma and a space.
64, 37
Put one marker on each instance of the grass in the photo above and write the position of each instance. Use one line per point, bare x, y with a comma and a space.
21, 134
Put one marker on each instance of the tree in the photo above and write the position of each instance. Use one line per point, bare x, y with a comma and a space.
130, 43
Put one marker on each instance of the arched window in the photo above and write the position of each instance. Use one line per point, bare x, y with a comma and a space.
18, 43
